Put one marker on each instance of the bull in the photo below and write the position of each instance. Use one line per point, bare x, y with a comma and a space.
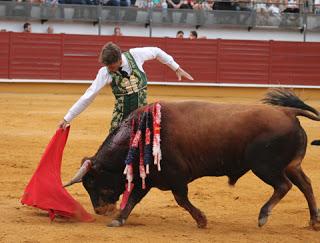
206, 139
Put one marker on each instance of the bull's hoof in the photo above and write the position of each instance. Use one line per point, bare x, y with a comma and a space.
315, 221
202, 222
315, 224
262, 221
116, 223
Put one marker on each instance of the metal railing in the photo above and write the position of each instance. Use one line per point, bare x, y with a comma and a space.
250, 15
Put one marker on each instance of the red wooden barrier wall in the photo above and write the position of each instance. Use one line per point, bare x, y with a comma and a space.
73, 57
4, 54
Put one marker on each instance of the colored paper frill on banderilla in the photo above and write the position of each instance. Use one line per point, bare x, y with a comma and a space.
45, 189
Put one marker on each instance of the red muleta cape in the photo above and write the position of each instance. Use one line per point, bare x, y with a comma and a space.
45, 189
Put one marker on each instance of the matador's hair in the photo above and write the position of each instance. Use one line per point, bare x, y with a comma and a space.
110, 53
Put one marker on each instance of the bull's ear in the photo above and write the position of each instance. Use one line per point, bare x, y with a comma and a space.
85, 167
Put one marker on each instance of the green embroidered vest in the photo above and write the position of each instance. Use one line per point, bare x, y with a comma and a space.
130, 92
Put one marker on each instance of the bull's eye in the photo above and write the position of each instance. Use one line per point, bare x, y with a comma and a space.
106, 191
91, 183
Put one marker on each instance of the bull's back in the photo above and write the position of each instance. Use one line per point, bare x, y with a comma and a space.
209, 138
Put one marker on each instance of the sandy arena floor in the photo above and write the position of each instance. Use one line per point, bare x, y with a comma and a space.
28, 121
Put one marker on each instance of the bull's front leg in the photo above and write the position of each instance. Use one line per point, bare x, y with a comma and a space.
135, 197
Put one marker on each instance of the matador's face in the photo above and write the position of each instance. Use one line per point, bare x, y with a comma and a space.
114, 67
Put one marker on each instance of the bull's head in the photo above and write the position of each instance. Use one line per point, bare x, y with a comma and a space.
102, 175
103, 186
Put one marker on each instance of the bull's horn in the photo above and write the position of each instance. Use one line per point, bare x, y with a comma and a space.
81, 172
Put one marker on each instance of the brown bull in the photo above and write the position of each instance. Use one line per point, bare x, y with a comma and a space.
205, 139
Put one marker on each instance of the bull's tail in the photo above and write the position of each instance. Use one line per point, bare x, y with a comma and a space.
287, 98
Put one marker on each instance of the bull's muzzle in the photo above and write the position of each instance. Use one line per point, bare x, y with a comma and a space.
107, 209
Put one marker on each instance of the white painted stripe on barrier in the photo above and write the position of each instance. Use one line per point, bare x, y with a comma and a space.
201, 84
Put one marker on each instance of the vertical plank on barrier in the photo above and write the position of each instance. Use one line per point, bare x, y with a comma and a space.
295, 63
243, 61
269, 62
35, 56
4, 54
9, 54
218, 61
61, 56
80, 61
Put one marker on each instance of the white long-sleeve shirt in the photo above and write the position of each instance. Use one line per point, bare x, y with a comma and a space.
103, 77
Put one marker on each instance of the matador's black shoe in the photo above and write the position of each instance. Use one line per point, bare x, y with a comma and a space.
315, 142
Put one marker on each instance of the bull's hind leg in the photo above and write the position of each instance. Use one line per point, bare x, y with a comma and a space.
298, 178
181, 196
281, 185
